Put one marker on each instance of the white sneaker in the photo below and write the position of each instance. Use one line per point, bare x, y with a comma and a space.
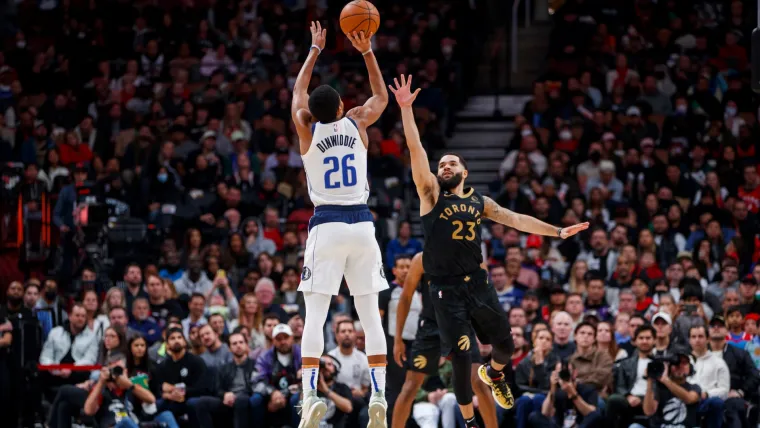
312, 410
377, 411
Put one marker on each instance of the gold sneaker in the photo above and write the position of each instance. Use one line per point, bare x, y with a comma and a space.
499, 388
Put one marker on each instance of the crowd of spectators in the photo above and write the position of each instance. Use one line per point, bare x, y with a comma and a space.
156, 189
644, 125
178, 118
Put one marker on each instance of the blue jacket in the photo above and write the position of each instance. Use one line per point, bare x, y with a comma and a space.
264, 383
395, 248
63, 214
148, 328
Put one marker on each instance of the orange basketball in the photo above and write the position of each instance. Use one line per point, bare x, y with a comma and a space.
359, 15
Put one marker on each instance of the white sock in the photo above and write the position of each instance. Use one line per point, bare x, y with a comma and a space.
310, 378
377, 377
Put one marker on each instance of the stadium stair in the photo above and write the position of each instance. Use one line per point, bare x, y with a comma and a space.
481, 138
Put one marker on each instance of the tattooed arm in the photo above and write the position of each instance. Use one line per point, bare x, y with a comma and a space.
526, 223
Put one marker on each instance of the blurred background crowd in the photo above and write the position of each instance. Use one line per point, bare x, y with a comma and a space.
154, 208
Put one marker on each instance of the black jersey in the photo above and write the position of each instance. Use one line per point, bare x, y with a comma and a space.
452, 235
427, 303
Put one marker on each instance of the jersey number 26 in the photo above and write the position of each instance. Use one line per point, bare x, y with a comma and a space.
348, 171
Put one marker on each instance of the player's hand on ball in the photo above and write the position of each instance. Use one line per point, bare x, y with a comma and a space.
318, 35
360, 41
403, 92
569, 231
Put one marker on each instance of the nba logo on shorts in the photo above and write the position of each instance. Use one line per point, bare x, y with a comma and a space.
440, 294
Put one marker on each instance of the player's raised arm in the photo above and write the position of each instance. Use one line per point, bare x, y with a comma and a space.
526, 223
404, 303
300, 105
370, 112
426, 182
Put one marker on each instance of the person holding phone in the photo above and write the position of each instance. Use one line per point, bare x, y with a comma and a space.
691, 311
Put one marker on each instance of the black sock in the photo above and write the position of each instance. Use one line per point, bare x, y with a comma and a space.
471, 423
493, 373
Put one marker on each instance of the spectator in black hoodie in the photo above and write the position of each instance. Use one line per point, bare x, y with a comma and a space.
180, 377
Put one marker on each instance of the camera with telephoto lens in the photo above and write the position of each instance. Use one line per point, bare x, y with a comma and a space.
116, 371
564, 372
656, 367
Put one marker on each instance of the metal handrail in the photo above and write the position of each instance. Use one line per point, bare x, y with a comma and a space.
513, 38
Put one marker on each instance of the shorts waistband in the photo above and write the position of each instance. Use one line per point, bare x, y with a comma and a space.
348, 214
343, 208
478, 276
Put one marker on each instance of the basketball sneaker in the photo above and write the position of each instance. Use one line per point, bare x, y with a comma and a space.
377, 411
312, 410
499, 388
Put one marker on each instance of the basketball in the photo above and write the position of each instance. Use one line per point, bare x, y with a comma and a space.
359, 15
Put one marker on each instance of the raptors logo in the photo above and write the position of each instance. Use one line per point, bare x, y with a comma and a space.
464, 343
420, 361
306, 274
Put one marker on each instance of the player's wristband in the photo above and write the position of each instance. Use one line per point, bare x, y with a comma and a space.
365, 53
319, 50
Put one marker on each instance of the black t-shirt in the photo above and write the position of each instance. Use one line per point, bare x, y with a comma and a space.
334, 418
162, 312
671, 411
114, 407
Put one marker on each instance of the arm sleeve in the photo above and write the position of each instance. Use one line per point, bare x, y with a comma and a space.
48, 349
724, 381
200, 379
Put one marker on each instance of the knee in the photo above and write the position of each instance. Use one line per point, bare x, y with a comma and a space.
294, 399
735, 405
242, 402
256, 400
538, 400
616, 401
715, 404
194, 402
448, 400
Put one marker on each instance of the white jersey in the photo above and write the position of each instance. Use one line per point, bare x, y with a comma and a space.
336, 164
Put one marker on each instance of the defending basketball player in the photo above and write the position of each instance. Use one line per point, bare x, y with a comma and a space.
426, 351
341, 238
462, 297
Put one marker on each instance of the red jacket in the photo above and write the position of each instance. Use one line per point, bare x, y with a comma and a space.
71, 154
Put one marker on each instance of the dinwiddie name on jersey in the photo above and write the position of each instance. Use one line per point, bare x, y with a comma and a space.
339, 140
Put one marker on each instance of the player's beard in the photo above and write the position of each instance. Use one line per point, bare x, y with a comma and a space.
451, 182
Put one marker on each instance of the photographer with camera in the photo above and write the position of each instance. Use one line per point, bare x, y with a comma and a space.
108, 401
336, 395
568, 403
670, 400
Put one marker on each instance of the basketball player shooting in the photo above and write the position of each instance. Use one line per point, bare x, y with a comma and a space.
341, 238
462, 297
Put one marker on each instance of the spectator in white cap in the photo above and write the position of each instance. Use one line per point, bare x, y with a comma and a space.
611, 186
663, 325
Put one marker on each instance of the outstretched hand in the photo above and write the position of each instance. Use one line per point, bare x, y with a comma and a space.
318, 35
403, 92
569, 231
361, 42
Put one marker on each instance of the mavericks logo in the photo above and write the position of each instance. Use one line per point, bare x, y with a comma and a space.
382, 271
306, 274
